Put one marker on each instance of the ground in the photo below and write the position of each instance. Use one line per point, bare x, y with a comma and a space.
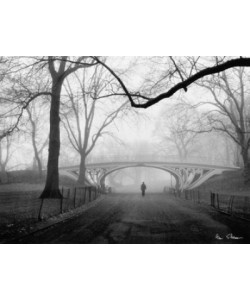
127, 218
157, 218
21, 187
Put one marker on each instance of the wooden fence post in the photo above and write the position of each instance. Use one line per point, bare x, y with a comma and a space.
61, 205
40, 210
230, 206
212, 195
218, 202
85, 192
90, 194
75, 198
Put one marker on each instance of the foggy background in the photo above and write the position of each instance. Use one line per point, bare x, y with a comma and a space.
174, 130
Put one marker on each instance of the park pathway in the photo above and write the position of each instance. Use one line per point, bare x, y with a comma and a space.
156, 218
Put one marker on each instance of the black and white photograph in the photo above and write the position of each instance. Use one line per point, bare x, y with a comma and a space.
92, 150
124, 174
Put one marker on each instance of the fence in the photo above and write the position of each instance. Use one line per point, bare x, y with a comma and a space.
16, 207
232, 204
235, 205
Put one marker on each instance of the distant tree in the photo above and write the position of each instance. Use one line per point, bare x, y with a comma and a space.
4, 69
215, 148
230, 112
176, 132
39, 139
5, 144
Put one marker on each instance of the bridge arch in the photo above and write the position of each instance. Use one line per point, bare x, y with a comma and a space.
187, 175
175, 174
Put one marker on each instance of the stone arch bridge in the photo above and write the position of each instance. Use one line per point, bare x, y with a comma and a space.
187, 175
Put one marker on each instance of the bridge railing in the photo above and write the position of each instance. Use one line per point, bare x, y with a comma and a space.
152, 158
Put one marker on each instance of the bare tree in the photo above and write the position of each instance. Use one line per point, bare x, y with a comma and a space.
19, 88
59, 69
86, 117
230, 114
20, 95
5, 155
36, 132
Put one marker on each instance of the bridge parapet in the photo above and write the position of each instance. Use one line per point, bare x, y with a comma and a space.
150, 158
187, 175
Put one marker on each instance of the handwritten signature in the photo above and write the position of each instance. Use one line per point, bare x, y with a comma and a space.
229, 236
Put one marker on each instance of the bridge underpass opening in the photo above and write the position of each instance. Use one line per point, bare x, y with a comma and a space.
129, 180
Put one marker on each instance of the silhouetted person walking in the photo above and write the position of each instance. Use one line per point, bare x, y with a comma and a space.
143, 189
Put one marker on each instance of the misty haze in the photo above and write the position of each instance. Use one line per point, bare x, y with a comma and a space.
151, 149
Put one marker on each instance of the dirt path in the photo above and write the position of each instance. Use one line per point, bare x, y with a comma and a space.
156, 218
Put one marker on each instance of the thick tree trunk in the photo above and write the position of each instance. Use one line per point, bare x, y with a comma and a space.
82, 171
246, 172
51, 189
3, 174
238, 161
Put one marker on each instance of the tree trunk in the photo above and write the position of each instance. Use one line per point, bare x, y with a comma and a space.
51, 189
82, 170
38, 163
246, 172
238, 161
180, 154
3, 174
227, 151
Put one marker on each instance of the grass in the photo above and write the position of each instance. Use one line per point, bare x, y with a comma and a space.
229, 182
24, 187
19, 199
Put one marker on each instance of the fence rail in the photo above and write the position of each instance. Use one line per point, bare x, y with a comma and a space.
235, 205
17, 207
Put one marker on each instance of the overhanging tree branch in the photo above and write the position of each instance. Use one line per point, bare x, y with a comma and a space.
218, 68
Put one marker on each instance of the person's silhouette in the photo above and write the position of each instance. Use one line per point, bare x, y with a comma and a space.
143, 189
